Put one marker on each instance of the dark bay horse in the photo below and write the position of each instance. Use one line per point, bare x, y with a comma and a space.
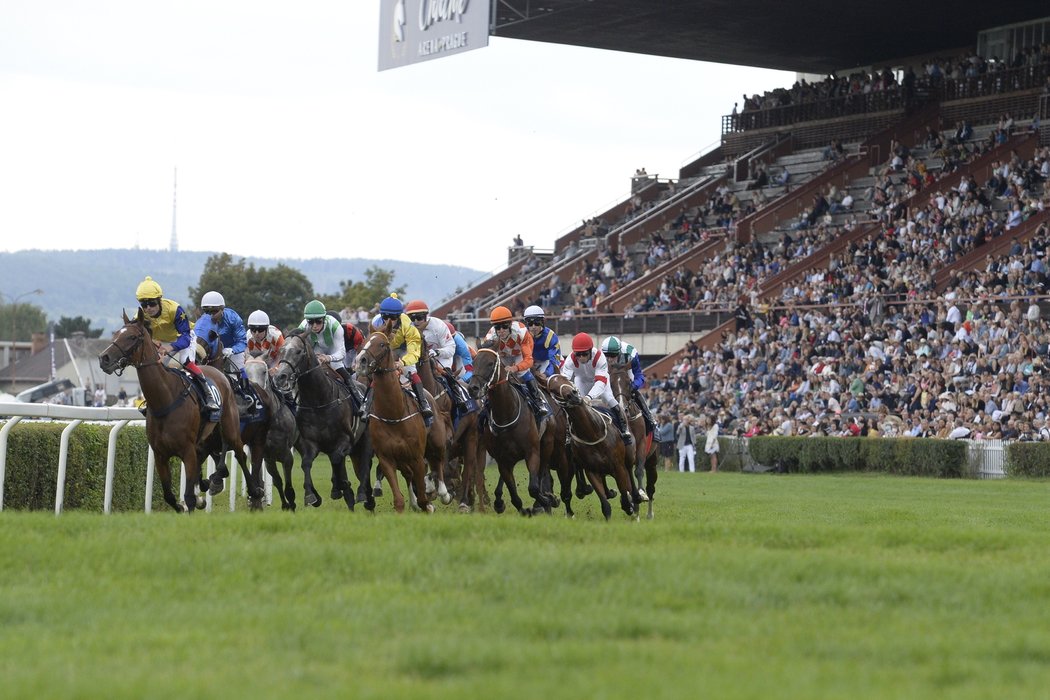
326, 422
399, 435
646, 449
273, 444
596, 445
174, 424
461, 439
511, 433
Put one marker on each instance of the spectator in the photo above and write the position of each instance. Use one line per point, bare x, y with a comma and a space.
686, 444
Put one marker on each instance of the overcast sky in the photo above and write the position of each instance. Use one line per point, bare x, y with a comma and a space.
289, 142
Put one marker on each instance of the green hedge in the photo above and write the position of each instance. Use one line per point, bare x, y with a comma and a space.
32, 467
909, 456
1028, 459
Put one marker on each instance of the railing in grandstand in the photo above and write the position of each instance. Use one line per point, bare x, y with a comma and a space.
121, 417
945, 89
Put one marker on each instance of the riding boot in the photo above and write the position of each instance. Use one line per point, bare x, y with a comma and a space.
210, 401
542, 410
359, 399
625, 427
424, 405
647, 414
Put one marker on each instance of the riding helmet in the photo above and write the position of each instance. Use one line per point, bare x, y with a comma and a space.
611, 346
391, 305
500, 314
417, 306
211, 299
581, 342
258, 318
148, 289
534, 312
314, 309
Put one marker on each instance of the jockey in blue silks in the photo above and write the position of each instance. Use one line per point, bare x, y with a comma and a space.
229, 328
463, 363
625, 353
546, 352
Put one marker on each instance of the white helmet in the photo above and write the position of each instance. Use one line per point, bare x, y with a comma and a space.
377, 321
258, 318
534, 311
212, 299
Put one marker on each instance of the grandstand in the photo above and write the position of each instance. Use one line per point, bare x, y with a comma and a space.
868, 196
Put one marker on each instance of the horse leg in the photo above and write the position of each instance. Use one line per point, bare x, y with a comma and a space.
506, 475
395, 488
651, 474
377, 490
565, 479
256, 492
532, 463
278, 484
418, 471
310, 495
164, 470
583, 489
288, 496
193, 468
598, 484
361, 458
623, 480
340, 482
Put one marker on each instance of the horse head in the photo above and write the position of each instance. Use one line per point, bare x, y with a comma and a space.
620, 382
488, 371
376, 355
132, 346
295, 359
563, 391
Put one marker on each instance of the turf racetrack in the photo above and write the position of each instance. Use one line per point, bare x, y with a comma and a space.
743, 586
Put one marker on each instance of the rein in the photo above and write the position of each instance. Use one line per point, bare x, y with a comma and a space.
495, 380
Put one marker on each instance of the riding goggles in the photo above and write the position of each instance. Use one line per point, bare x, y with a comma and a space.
391, 317
534, 322
502, 326
212, 309
417, 317
147, 303
257, 329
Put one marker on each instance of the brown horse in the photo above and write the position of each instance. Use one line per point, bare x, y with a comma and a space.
596, 445
511, 433
326, 421
279, 433
461, 439
174, 425
646, 449
399, 435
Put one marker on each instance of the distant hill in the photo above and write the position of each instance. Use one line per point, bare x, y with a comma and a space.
97, 284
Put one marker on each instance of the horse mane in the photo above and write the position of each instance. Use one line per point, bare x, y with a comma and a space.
295, 332
491, 344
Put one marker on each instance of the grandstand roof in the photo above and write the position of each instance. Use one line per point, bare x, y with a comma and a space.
816, 36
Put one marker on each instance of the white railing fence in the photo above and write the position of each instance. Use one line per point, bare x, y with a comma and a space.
120, 417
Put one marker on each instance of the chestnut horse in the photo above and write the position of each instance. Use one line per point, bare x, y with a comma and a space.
511, 434
274, 443
596, 445
646, 449
461, 440
326, 422
399, 434
174, 425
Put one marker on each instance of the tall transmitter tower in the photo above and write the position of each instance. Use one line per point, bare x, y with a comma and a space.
174, 245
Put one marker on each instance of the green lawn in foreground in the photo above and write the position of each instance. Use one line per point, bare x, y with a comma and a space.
756, 586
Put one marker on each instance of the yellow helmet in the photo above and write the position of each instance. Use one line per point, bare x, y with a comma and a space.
148, 289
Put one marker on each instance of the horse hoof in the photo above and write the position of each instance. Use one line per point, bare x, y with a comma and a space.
464, 508
499, 506
181, 507
584, 491
313, 500
649, 516
337, 493
377, 491
430, 508
201, 503
446, 498
611, 493
642, 496
216, 487
362, 496
288, 506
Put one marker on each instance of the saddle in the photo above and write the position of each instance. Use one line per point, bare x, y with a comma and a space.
194, 386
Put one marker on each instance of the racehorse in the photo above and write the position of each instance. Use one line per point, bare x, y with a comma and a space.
596, 445
461, 439
274, 444
398, 431
646, 450
511, 433
174, 424
326, 422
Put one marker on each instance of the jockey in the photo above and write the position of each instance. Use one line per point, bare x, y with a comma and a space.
171, 331
514, 345
589, 371
229, 328
463, 362
353, 340
546, 352
441, 346
325, 335
617, 351
264, 340
406, 336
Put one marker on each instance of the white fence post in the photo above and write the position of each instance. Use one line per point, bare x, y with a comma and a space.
3, 453
63, 457
151, 465
111, 464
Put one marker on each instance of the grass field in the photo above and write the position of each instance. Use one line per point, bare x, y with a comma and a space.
743, 586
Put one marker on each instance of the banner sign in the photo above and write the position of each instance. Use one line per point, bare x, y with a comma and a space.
411, 31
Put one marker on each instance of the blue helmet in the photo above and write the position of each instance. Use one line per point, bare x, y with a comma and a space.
391, 305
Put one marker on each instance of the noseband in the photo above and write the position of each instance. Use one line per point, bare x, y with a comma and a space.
126, 358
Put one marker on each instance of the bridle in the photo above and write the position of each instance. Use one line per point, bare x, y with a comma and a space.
292, 369
126, 358
371, 364
500, 375
574, 399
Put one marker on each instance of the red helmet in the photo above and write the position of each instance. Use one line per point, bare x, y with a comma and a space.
581, 342
451, 328
416, 306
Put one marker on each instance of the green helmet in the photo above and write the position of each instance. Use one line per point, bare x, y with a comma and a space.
611, 346
314, 309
